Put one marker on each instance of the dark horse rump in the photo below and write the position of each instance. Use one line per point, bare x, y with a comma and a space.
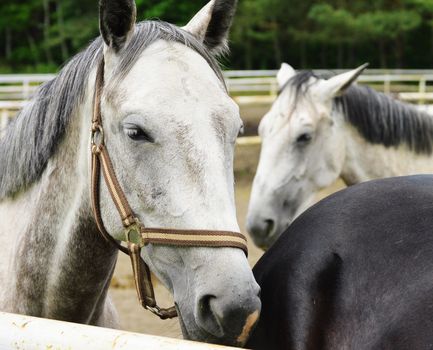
353, 272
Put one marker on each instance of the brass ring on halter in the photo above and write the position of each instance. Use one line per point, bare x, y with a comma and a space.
97, 135
133, 234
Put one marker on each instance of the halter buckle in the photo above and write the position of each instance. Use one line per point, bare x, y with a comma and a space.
133, 234
163, 314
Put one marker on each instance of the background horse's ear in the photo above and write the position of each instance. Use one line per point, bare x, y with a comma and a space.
117, 22
212, 23
285, 73
337, 85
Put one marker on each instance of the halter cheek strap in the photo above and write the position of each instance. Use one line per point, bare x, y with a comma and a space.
136, 235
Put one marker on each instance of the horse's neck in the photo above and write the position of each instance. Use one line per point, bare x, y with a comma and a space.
366, 161
57, 265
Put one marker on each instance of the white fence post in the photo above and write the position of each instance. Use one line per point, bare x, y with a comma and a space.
4, 119
387, 84
422, 88
26, 89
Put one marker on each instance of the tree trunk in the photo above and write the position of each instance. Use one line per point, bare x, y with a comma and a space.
431, 42
351, 60
383, 60
33, 48
8, 44
61, 25
277, 46
323, 60
47, 24
303, 54
340, 55
277, 50
399, 51
248, 58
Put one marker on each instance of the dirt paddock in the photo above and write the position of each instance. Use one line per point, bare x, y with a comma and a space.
132, 316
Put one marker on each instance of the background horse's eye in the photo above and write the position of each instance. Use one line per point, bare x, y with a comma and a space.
137, 134
304, 139
241, 130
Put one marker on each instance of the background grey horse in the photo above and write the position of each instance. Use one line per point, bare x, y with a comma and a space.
319, 130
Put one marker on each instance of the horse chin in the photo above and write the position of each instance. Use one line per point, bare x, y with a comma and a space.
266, 242
183, 328
195, 333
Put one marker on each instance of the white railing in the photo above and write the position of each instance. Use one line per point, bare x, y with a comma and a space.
22, 86
30, 333
246, 86
8, 109
264, 82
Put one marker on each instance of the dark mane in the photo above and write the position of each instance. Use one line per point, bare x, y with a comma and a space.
379, 118
34, 135
383, 120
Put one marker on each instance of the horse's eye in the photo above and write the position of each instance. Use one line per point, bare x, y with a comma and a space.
303, 139
241, 130
138, 134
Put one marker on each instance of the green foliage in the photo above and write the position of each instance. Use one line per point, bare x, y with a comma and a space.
40, 35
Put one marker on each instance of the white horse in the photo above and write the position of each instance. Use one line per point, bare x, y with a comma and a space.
319, 130
170, 129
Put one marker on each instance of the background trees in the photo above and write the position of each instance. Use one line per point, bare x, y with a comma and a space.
39, 35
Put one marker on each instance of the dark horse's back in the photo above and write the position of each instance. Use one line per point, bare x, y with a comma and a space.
353, 272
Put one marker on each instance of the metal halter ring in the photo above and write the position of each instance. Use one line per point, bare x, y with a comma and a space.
163, 314
97, 134
133, 234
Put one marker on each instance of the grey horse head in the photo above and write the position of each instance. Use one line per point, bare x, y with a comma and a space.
171, 129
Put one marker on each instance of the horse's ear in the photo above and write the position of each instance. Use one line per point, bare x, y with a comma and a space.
284, 74
336, 86
212, 23
117, 22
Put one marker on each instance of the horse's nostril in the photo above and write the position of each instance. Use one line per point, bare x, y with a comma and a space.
204, 303
208, 318
269, 226
260, 230
229, 316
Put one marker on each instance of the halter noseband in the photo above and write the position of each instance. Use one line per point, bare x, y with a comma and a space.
136, 235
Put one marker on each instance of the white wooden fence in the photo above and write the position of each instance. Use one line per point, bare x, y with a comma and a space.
264, 82
246, 87
22, 86
8, 109
30, 333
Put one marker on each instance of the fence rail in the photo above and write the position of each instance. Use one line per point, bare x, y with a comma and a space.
240, 82
22, 86
247, 87
31, 333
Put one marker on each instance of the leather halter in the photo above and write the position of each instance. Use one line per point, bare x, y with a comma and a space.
136, 235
